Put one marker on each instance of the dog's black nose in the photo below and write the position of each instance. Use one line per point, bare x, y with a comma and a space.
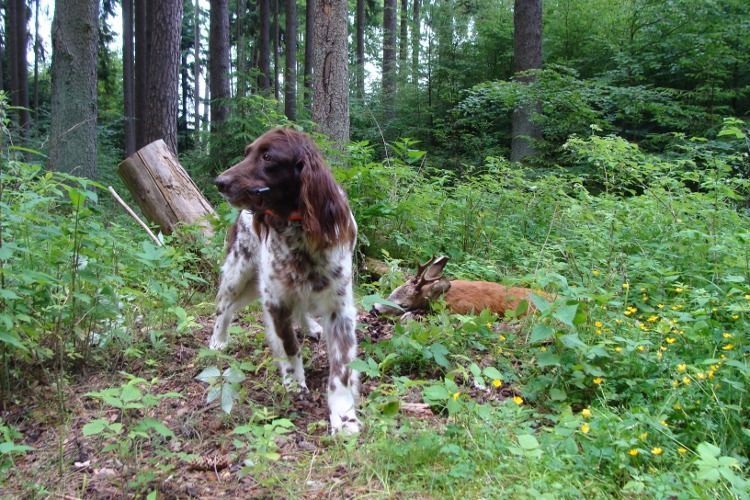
222, 183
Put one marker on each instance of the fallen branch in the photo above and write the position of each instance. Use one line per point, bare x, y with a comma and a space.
134, 215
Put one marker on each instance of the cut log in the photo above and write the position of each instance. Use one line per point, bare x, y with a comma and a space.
164, 190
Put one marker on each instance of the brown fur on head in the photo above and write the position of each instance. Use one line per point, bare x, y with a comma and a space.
282, 173
416, 293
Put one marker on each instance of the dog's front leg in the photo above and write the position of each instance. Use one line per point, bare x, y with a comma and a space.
283, 342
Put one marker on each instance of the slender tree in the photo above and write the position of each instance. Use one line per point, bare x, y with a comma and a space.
75, 32
360, 48
241, 48
128, 77
276, 34
403, 40
290, 73
330, 77
37, 55
141, 71
309, 50
2, 60
197, 65
164, 69
389, 56
527, 54
264, 46
218, 62
416, 30
16, 22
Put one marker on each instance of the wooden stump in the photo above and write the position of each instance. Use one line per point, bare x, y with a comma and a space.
164, 191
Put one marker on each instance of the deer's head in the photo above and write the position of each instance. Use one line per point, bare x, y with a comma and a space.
428, 284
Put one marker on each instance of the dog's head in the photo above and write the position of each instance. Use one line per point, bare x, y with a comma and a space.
283, 173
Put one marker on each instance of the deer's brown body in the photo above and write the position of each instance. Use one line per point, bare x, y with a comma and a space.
461, 297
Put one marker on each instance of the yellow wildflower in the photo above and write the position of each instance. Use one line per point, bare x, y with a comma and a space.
653, 319
681, 450
586, 413
456, 395
633, 452
686, 380
641, 348
735, 316
618, 321
664, 423
598, 380
711, 374
618, 349
678, 289
625, 285
677, 406
497, 383
585, 428
660, 306
596, 272
518, 400
643, 288
727, 335
681, 367
671, 340
488, 325
598, 324
675, 383
728, 347
700, 375
747, 296
643, 436
662, 348
657, 451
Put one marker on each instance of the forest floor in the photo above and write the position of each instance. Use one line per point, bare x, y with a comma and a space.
204, 459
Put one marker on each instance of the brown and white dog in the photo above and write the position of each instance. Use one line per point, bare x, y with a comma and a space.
291, 245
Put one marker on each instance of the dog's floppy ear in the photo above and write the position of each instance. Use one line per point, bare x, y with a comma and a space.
325, 212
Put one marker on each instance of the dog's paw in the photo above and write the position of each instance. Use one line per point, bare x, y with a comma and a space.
345, 425
217, 343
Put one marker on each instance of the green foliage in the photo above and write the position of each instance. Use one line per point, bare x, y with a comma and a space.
9, 446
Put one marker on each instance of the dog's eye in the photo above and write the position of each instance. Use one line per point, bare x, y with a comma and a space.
266, 157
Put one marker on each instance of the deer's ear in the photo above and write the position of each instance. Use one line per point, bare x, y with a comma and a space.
437, 289
435, 268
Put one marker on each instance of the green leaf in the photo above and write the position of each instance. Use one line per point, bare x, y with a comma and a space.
233, 375
95, 427
541, 332
213, 394
439, 352
131, 393
11, 339
572, 341
706, 450
228, 395
540, 303
557, 394
528, 442
435, 393
547, 358
566, 314
209, 375
155, 425
390, 408
493, 373
11, 447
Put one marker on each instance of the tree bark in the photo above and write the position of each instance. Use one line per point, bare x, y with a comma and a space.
75, 33
389, 57
527, 53
128, 80
403, 40
218, 62
416, 34
331, 78
360, 49
309, 51
17, 35
276, 34
164, 70
290, 73
23, 65
142, 50
197, 66
37, 55
264, 61
164, 191
241, 49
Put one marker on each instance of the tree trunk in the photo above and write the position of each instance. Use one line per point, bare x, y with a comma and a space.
403, 40
75, 33
23, 65
389, 57
164, 70
2, 59
276, 40
241, 49
37, 55
197, 66
360, 49
264, 61
17, 34
142, 50
416, 33
331, 78
290, 75
527, 53
128, 80
218, 62
164, 191
309, 51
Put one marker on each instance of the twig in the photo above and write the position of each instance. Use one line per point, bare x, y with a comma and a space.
134, 215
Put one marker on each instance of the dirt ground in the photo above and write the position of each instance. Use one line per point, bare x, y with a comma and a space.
202, 462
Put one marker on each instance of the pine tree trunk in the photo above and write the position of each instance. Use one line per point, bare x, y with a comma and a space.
360, 49
142, 49
241, 49
416, 34
218, 62
264, 59
331, 78
128, 80
309, 51
290, 74
276, 40
164, 69
37, 56
527, 53
197, 66
403, 40
17, 34
75, 33
389, 57
23, 65
11, 37
2, 59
